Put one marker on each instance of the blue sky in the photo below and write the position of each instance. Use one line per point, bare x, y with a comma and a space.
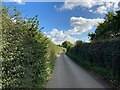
66, 21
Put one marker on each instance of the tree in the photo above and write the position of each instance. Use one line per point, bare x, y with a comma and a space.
91, 36
109, 29
67, 45
78, 42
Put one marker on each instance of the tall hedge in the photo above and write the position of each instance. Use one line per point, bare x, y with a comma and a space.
102, 57
26, 52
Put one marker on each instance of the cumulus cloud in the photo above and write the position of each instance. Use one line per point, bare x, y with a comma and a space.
101, 10
79, 25
59, 36
103, 5
18, 1
70, 4
108, 6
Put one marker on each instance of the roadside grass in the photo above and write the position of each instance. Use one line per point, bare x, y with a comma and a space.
53, 52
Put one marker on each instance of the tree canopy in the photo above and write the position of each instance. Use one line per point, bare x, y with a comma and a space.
67, 45
109, 29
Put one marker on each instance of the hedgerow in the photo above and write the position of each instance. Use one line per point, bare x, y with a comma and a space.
102, 57
26, 52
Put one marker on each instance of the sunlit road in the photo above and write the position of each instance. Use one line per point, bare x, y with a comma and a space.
67, 74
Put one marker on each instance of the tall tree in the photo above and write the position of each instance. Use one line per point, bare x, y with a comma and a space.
109, 29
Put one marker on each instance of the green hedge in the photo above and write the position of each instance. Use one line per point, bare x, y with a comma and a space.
103, 57
26, 53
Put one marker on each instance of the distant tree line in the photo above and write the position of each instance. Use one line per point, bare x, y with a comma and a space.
67, 45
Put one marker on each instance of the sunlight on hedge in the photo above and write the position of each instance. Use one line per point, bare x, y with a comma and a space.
27, 55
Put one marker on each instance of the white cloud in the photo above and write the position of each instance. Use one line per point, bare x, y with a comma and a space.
59, 36
101, 10
70, 4
90, 10
108, 6
103, 5
79, 24
18, 1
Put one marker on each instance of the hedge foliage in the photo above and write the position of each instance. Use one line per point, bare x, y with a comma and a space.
26, 52
102, 57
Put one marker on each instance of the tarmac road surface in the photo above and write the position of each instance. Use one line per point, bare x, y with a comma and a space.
68, 74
